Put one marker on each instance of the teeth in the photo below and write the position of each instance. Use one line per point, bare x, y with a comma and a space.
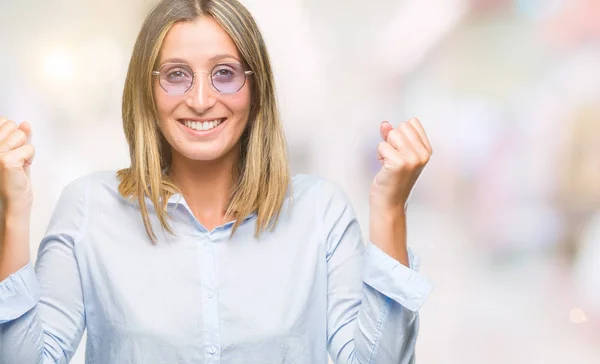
198, 125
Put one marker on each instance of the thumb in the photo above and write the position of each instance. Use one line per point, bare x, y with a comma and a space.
25, 127
23, 156
384, 130
27, 152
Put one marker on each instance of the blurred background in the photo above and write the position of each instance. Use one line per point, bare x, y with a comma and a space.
506, 217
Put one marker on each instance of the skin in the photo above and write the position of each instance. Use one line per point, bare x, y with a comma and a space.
16, 155
404, 152
202, 165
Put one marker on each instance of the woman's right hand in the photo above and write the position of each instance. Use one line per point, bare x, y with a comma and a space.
16, 155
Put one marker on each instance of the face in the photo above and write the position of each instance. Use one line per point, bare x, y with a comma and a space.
201, 124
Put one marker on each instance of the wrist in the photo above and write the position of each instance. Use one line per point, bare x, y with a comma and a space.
14, 241
15, 211
13, 221
387, 231
389, 214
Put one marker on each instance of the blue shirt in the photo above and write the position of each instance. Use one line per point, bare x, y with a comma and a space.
308, 287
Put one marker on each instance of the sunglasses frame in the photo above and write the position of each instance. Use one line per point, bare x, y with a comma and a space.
212, 85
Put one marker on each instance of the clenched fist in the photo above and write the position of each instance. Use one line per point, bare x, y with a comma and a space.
403, 153
16, 155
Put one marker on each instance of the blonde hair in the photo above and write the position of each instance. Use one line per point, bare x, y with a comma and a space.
263, 173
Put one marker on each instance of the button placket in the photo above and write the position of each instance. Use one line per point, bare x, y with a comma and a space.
210, 302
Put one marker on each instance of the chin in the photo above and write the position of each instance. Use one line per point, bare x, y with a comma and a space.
194, 153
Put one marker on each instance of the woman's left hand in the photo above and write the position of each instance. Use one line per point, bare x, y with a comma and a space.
403, 153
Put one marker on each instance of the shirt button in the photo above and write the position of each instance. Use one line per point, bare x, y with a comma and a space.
212, 349
209, 294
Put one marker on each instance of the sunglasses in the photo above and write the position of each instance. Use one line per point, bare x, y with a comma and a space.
178, 78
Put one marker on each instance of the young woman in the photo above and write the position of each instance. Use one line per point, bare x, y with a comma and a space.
205, 250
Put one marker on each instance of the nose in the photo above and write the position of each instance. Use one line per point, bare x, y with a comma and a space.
201, 97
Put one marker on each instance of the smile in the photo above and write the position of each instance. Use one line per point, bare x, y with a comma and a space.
202, 125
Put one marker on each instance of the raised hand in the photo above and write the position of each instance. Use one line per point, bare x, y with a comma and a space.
403, 153
16, 155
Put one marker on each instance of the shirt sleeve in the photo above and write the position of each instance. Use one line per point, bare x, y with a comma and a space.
396, 281
42, 316
373, 300
19, 293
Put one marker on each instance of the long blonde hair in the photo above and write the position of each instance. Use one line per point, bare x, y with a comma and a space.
263, 173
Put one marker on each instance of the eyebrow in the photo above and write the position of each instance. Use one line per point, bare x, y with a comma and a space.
219, 57
214, 58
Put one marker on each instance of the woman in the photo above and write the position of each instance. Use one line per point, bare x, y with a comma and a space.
204, 250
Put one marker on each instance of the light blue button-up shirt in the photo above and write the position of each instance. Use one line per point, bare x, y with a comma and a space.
308, 287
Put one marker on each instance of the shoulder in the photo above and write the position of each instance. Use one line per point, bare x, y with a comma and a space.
95, 182
71, 214
303, 183
317, 191
324, 206
91, 188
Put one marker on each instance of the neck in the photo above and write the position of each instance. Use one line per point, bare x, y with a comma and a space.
205, 185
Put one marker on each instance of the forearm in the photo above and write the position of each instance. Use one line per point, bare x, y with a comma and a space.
386, 332
387, 319
375, 291
387, 231
22, 340
14, 241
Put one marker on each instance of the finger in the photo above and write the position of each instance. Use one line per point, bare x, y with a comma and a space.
384, 129
400, 142
379, 155
28, 154
3, 119
26, 128
419, 128
20, 157
6, 129
27, 157
387, 154
408, 130
14, 141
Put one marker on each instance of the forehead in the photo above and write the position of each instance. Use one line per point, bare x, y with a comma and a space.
198, 42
